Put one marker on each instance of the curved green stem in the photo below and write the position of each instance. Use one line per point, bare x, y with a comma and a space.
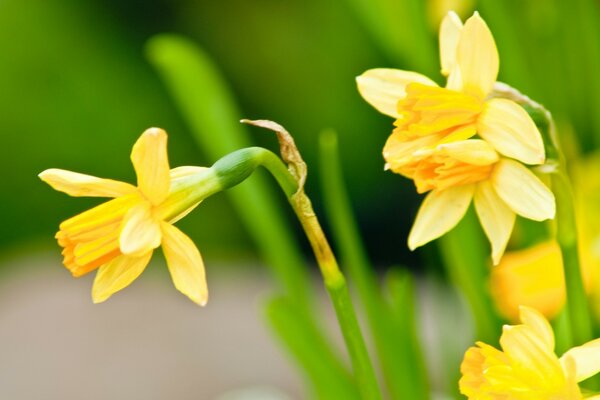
233, 169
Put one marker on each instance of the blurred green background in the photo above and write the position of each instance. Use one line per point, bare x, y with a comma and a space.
77, 90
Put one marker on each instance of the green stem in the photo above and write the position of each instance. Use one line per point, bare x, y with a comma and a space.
566, 235
233, 169
399, 358
340, 296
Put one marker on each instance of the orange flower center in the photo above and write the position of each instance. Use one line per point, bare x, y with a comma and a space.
441, 172
91, 239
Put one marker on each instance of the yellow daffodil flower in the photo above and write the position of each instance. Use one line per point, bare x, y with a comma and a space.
427, 115
120, 235
527, 367
458, 172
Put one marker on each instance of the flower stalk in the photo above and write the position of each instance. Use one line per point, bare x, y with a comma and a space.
333, 278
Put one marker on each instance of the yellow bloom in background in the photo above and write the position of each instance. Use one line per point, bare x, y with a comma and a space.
458, 172
527, 367
427, 115
532, 277
120, 235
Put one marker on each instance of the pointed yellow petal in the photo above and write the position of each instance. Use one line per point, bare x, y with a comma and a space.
440, 212
149, 158
539, 324
449, 34
117, 275
76, 184
477, 57
185, 264
522, 191
473, 151
524, 347
383, 88
496, 218
508, 127
140, 232
586, 358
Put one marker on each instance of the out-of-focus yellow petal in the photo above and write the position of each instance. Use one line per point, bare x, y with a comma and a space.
449, 34
140, 232
151, 163
440, 212
76, 184
586, 358
508, 127
522, 191
117, 275
531, 277
472, 151
383, 88
496, 218
185, 264
477, 57
539, 324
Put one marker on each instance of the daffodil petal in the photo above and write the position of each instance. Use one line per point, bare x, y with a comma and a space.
440, 212
449, 34
117, 275
522, 191
473, 151
383, 88
540, 325
524, 347
477, 57
587, 359
182, 172
185, 264
140, 232
496, 218
76, 184
508, 127
149, 158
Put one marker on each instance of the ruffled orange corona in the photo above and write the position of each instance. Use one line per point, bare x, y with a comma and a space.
119, 236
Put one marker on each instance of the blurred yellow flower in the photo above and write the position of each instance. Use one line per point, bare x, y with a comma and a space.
458, 172
120, 235
532, 277
428, 115
527, 367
